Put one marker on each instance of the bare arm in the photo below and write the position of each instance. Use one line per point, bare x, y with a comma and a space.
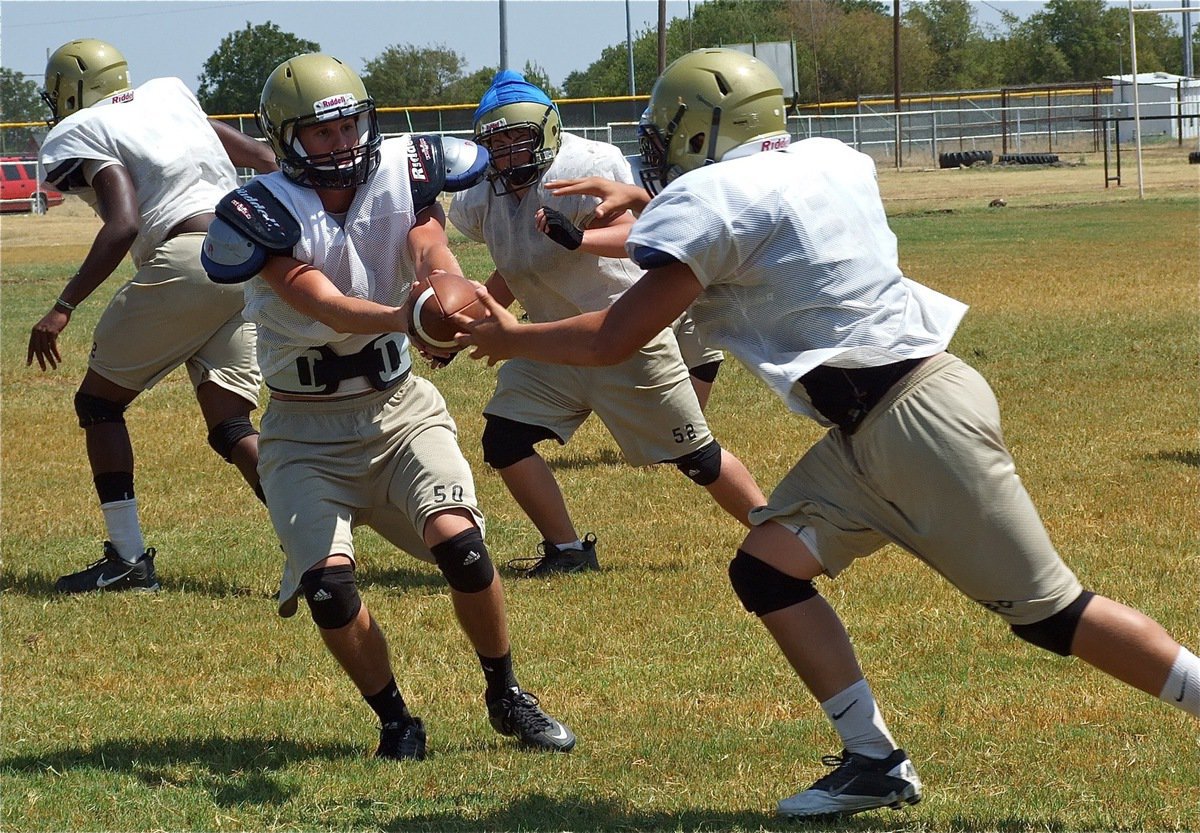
497, 287
429, 246
615, 197
596, 338
117, 205
308, 290
606, 241
245, 151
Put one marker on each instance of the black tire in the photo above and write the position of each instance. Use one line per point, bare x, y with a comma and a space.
964, 158
39, 205
1028, 158
1194, 157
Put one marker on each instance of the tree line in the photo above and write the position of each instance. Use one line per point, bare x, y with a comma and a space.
843, 50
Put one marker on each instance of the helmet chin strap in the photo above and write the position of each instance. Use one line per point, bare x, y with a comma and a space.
711, 156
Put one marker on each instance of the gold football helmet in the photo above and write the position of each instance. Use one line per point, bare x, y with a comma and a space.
80, 73
310, 89
709, 105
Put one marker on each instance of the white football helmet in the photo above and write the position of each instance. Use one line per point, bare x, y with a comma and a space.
709, 105
310, 89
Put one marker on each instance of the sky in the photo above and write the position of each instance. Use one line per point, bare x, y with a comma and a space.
175, 37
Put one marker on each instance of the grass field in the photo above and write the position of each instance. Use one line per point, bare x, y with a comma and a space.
199, 709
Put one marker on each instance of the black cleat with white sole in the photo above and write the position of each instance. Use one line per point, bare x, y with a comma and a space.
112, 573
518, 715
857, 784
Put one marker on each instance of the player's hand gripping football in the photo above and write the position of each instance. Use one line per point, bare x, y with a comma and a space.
493, 337
435, 357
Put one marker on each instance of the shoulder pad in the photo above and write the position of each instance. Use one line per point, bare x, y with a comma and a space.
426, 170
443, 163
228, 255
466, 162
259, 215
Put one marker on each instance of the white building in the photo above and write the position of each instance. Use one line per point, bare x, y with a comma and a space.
1170, 105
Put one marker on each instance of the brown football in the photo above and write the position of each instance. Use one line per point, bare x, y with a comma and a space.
432, 304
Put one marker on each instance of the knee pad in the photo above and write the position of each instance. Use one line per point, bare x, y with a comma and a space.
706, 372
93, 410
465, 562
227, 433
1054, 633
702, 466
506, 441
762, 589
332, 596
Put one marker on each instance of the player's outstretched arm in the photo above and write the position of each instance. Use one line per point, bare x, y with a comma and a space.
615, 197
117, 205
605, 241
245, 151
592, 339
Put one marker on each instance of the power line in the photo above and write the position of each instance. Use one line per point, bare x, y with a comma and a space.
183, 7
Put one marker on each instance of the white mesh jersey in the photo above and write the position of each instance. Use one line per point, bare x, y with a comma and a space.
365, 255
163, 139
551, 282
798, 265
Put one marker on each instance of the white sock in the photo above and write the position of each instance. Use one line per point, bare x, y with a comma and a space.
1182, 689
855, 717
121, 519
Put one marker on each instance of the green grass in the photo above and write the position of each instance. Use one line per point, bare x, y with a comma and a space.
199, 709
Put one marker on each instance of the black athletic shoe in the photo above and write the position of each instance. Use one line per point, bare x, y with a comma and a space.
518, 715
402, 741
112, 573
859, 783
551, 560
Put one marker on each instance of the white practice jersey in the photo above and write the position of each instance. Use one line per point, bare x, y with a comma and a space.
365, 254
159, 134
551, 282
798, 264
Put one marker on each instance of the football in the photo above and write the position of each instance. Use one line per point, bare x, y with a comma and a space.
432, 304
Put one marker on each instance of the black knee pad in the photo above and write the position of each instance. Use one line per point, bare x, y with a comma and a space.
762, 589
706, 372
465, 562
506, 441
93, 410
702, 466
227, 433
332, 596
1054, 633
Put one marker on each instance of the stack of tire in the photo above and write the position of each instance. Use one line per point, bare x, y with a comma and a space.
1028, 158
1194, 157
964, 158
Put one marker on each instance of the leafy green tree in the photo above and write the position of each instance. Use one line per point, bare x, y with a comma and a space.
233, 76
20, 102
408, 75
470, 88
950, 30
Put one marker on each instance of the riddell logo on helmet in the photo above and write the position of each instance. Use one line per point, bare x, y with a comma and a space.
494, 125
334, 102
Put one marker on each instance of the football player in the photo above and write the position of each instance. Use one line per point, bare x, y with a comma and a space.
646, 401
784, 254
331, 247
152, 165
